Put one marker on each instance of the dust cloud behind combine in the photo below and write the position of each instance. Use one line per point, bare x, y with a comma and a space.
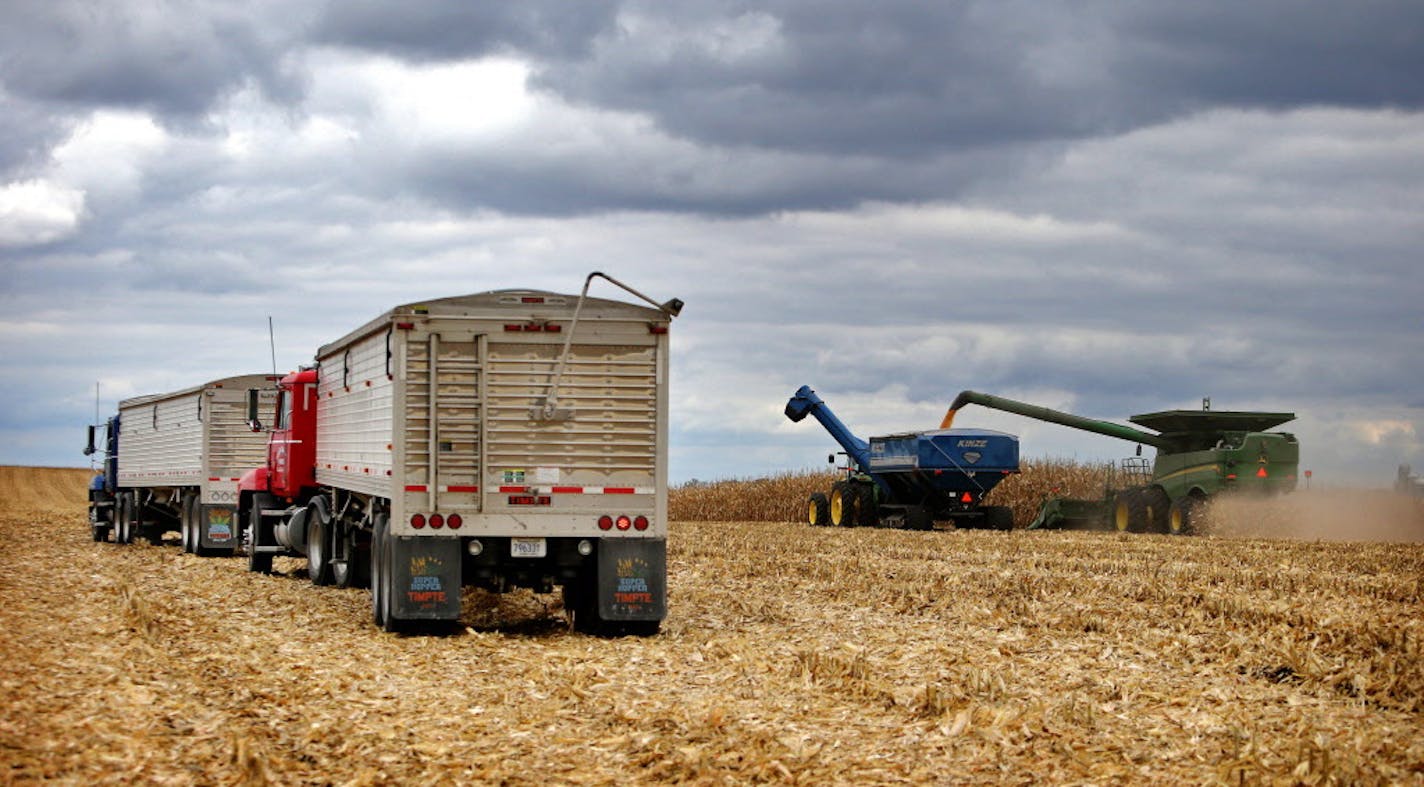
1321, 515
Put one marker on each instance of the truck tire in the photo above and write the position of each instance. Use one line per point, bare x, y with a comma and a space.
382, 575
1182, 519
1158, 504
98, 526
319, 543
188, 525
844, 502
818, 510
998, 518
257, 536
123, 521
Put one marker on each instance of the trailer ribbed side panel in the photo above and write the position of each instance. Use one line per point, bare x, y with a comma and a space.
161, 441
355, 417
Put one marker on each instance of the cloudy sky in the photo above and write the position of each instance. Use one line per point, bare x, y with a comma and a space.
1104, 207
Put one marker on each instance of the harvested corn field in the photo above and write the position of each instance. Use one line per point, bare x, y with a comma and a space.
790, 655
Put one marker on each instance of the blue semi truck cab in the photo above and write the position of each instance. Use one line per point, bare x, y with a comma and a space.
103, 487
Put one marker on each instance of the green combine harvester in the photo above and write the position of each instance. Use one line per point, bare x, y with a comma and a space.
1200, 453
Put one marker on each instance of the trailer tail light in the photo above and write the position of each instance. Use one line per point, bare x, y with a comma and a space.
417, 521
454, 521
966, 498
640, 523
436, 521
623, 522
605, 522
1230, 476
531, 299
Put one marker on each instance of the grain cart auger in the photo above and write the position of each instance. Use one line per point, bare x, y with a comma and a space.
913, 479
1199, 454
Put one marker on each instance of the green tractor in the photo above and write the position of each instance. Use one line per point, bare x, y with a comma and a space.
1200, 453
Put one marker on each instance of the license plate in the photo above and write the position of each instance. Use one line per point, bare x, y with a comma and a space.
527, 547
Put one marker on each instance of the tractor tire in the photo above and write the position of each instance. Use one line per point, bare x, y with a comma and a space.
867, 513
845, 502
998, 518
1158, 505
818, 510
1129, 512
258, 562
1183, 518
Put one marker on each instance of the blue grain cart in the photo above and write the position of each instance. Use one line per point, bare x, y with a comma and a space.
913, 479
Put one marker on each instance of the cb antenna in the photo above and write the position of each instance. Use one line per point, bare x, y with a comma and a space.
272, 340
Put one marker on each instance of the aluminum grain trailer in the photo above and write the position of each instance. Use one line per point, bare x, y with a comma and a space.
513, 438
176, 461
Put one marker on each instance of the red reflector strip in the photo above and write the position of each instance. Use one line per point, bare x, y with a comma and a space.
462, 489
507, 489
567, 490
513, 328
214, 479
416, 488
553, 329
531, 299
618, 490
657, 330
405, 326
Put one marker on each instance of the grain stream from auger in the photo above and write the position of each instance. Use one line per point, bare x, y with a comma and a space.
791, 655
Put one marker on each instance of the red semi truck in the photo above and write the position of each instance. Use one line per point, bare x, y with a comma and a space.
513, 438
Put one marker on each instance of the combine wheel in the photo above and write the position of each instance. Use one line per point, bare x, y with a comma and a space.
818, 510
257, 536
845, 504
1130, 511
1182, 520
1158, 504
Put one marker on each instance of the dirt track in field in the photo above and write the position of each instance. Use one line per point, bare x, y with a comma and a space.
792, 655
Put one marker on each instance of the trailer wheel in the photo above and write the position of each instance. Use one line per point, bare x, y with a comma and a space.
257, 561
998, 518
818, 510
381, 568
98, 527
1157, 503
1182, 520
319, 544
844, 503
188, 525
918, 518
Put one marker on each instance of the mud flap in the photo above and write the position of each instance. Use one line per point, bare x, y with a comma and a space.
425, 578
632, 579
217, 526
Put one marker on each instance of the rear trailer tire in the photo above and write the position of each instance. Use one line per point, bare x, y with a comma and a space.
343, 555
998, 518
123, 528
1182, 519
257, 561
818, 511
378, 551
385, 578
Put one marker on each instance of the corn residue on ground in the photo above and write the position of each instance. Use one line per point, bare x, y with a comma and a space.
791, 655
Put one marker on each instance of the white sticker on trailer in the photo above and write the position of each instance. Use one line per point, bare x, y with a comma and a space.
546, 475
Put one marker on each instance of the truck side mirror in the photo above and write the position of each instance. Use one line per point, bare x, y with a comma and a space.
252, 422
1139, 449
89, 448
831, 458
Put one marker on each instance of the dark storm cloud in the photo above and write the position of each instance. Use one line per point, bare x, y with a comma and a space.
456, 29
909, 78
174, 59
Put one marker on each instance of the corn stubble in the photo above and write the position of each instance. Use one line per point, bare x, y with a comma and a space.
792, 655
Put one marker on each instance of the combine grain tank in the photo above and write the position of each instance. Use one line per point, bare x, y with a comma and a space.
172, 462
912, 479
514, 438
